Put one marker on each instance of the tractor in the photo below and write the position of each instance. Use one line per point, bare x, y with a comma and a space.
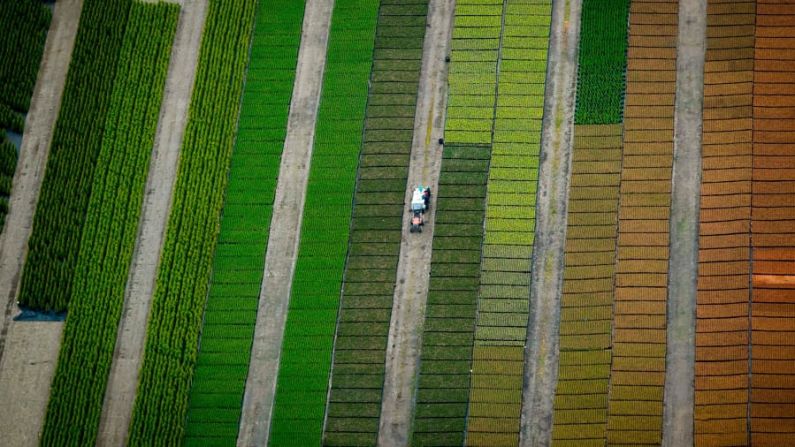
420, 200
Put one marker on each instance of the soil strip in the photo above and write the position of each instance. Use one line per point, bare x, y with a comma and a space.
413, 271
543, 346
29, 350
685, 200
285, 230
128, 355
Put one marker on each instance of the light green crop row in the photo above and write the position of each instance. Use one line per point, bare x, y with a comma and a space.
106, 248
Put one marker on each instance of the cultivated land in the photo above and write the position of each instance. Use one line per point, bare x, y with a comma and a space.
258, 274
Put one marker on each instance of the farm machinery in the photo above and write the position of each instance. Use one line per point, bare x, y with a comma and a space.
420, 200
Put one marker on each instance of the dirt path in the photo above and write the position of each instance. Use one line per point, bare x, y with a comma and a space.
685, 201
285, 229
123, 379
29, 351
542, 348
413, 271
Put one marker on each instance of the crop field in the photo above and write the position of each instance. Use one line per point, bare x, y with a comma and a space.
370, 272
722, 327
305, 362
24, 24
443, 387
772, 419
580, 417
216, 395
159, 415
503, 303
639, 337
111, 225
65, 191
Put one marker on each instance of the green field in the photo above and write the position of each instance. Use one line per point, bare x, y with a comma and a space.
371, 268
65, 191
216, 395
170, 354
111, 225
302, 384
443, 388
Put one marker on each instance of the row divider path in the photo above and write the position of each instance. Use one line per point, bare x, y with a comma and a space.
285, 229
404, 343
543, 345
29, 350
128, 354
679, 388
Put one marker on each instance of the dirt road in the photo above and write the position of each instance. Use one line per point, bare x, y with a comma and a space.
411, 289
29, 351
123, 379
543, 345
684, 227
285, 230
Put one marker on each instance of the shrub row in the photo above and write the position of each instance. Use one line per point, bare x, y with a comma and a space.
65, 191
111, 226
218, 385
175, 319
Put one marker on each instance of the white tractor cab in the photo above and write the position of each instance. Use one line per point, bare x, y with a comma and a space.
420, 200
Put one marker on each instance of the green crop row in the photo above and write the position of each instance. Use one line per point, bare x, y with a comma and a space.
370, 274
473, 71
218, 385
24, 24
170, 353
446, 359
65, 191
503, 303
602, 61
111, 226
305, 362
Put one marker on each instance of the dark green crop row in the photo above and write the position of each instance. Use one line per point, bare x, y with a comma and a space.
443, 389
216, 396
305, 362
24, 24
161, 405
603, 61
111, 226
65, 191
371, 269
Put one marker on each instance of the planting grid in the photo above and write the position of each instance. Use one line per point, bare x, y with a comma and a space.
111, 226
580, 417
772, 418
722, 324
503, 302
305, 361
637, 375
217, 388
370, 273
443, 387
